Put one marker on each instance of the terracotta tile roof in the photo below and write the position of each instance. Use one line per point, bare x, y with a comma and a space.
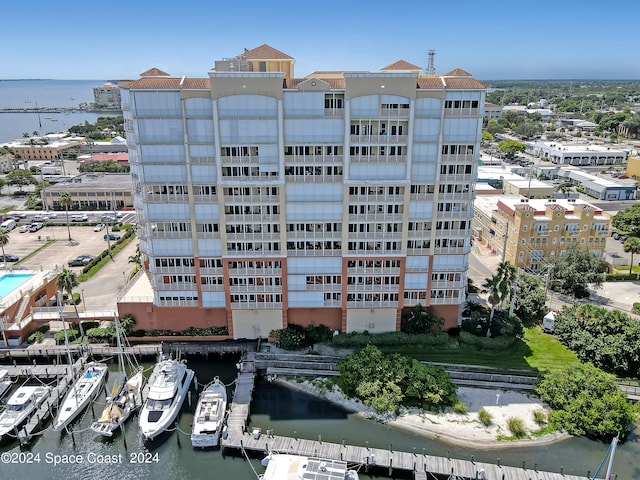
326, 74
464, 82
265, 52
333, 82
430, 82
457, 72
170, 83
154, 72
402, 65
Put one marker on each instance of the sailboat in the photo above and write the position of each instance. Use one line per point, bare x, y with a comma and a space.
83, 390
125, 398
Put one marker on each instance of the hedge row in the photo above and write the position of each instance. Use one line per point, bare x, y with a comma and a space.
355, 339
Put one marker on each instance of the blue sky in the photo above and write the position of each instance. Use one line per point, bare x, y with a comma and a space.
513, 39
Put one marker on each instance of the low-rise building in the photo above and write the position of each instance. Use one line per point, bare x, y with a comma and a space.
577, 154
529, 232
48, 147
92, 191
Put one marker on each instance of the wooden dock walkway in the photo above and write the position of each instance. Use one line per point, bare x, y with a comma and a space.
236, 439
33, 427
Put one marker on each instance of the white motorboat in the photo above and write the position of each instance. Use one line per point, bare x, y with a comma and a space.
209, 416
168, 386
5, 381
282, 466
126, 397
120, 405
21, 405
81, 393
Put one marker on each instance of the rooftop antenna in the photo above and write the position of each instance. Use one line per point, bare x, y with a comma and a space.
431, 68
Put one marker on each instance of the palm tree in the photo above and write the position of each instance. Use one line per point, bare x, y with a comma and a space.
499, 288
66, 201
632, 245
67, 281
4, 239
565, 188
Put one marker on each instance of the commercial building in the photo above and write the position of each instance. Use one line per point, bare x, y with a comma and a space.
340, 198
577, 154
92, 191
47, 147
529, 232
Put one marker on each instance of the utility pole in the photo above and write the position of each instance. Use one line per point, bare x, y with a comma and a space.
514, 291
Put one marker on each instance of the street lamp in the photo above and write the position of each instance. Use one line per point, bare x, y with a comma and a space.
83, 302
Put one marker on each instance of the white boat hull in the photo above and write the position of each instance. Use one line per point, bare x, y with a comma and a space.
209, 416
120, 408
81, 393
155, 419
12, 417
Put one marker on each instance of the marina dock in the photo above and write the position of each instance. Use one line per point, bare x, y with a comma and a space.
256, 443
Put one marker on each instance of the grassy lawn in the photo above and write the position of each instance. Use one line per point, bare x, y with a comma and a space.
535, 351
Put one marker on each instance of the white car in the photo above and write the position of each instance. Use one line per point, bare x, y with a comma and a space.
98, 227
24, 228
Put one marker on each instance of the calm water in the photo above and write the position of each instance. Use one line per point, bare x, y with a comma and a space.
12, 280
46, 93
287, 412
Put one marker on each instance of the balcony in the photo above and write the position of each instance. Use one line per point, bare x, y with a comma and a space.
378, 159
173, 270
314, 178
457, 159
461, 112
572, 233
173, 287
315, 253
240, 160
230, 200
211, 288
161, 234
165, 198
394, 112
246, 218
324, 287
253, 237
256, 305
372, 304
334, 112
542, 233
259, 289
378, 139
312, 160
445, 301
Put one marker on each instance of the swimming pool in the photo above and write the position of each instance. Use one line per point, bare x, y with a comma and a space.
11, 281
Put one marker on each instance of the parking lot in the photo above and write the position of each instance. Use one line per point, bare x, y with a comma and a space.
99, 291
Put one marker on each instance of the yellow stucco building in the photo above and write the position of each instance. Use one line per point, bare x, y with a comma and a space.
531, 231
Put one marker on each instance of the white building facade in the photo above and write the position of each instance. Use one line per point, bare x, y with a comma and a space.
266, 200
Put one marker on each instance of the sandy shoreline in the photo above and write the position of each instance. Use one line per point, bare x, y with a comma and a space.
460, 429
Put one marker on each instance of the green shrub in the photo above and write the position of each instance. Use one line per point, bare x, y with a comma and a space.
72, 334
44, 328
485, 417
540, 417
89, 324
76, 299
460, 407
585, 401
516, 427
356, 340
35, 337
486, 343
636, 308
621, 277
99, 335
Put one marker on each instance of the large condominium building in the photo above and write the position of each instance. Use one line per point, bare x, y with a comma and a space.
529, 232
337, 199
108, 95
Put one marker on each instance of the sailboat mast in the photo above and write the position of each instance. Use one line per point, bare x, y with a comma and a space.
64, 327
614, 444
119, 344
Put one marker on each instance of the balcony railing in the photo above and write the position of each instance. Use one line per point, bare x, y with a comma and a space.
542, 233
379, 139
253, 237
172, 270
311, 160
256, 305
461, 112
259, 289
378, 159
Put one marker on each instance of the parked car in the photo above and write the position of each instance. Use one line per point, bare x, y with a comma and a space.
81, 260
8, 258
25, 228
79, 217
112, 236
98, 227
109, 218
34, 227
